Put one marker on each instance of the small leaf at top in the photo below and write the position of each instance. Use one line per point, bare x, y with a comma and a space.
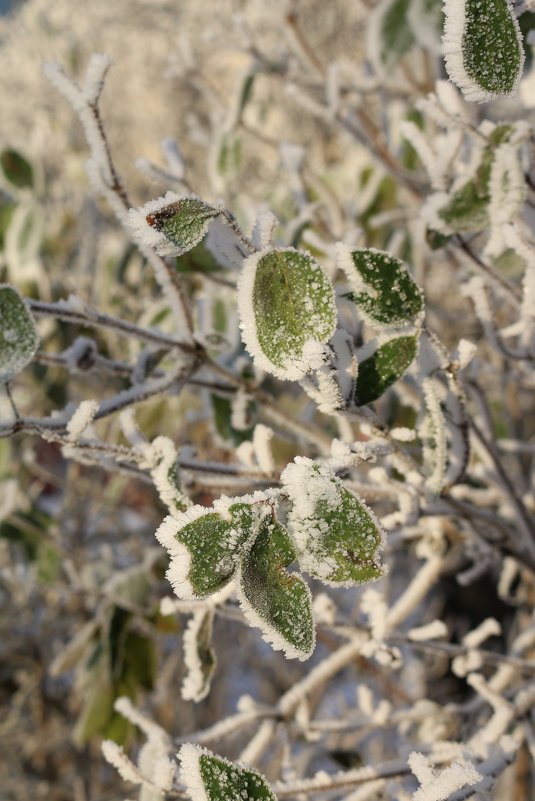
213, 778
276, 601
382, 286
389, 362
482, 45
287, 311
18, 335
17, 169
390, 33
173, 224
337, 537
204, 545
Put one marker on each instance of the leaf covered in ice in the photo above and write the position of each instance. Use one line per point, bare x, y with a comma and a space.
199, 656
172, 224
213, 778
287, 311
337, 537
18, 335
383, 368
382, 287
276, 601
483, 48
204, 545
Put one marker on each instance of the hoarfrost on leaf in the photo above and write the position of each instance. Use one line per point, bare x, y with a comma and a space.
172, 224
18, 335
337, 537
276, 601
382, 287
213, 778
287, 311
204, 545
482, 45
199, 655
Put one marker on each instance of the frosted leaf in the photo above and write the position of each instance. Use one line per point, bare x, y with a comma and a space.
276, 601
172, 224
337, 537
482, 45
466, 210
213, 778
389, 33
199, 656
378, 372
439, 785
434, 438
18, 335
287, 311
204, 545
165, 473
382, 287
82, 419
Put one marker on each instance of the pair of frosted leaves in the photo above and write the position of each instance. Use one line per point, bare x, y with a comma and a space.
327, 528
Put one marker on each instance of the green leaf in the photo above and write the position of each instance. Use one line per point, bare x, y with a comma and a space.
383, 289
389, 362
222, 417
173, 224
204, 545
212, 778
18, 335
17, 169
287, 311
199, 656
337, 537
276, 601
467, 210
483, 47
390, 32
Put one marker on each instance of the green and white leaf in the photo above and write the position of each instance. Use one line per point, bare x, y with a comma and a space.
199, 655
389, 33
482, 45
382, 288
287, 311
162, 458
276, 601
19, 339
434, 438
204, 545
465, 208
172, 224
384, 367
337, 538
208, 777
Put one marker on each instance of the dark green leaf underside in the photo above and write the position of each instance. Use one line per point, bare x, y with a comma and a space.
389, 362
